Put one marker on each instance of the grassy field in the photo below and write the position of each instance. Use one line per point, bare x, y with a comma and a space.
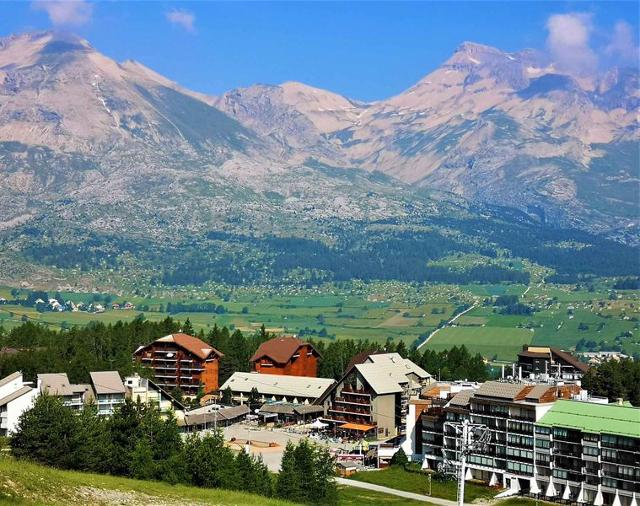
418, 483
501, 343
352, 496
24, 483
563, 314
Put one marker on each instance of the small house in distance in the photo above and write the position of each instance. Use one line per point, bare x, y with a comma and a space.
288, 356
182, 361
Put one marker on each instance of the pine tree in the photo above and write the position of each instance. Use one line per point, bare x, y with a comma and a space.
47, 433
288, 483
227, 397
246, 472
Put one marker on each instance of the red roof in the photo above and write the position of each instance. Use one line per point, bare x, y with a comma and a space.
190, 343
279, 349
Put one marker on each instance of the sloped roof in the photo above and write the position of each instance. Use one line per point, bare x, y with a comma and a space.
8, 379
190, 343
208, 414
107, 382
405, 365
502, 390
570, 359
56, 384
462, 398
538, 391
14, 395
383, 379
279, 349
592, 417
275, 384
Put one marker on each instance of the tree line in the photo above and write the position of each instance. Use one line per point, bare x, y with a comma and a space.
452, 364
615, 379
138, 442
36, 349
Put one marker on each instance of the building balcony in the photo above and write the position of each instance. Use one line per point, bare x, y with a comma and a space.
355, 391
356, 412
358, 402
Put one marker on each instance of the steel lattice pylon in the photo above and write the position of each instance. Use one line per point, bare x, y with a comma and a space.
470, 438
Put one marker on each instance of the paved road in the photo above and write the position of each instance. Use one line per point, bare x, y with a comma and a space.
445, 325
393, 491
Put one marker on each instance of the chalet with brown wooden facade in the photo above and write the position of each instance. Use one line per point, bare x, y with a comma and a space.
287, 356
183, 361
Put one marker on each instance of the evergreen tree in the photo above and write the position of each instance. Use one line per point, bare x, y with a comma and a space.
214, 463
187, 328
47, 433
288, 484
227, 397
92, 446
399, 458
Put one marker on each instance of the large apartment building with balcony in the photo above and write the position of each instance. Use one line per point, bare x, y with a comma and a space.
542, 444
373, 395
589, 452
181, 361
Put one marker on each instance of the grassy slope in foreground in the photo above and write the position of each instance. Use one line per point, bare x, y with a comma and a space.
26, 483
398, 478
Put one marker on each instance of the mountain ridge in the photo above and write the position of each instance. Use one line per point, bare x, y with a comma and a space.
92, 150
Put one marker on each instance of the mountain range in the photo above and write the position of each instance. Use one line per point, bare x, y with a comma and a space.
90, 146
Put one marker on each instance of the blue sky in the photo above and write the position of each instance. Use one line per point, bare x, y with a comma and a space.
366, 51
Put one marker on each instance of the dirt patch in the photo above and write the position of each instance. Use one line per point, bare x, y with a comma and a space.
93, 495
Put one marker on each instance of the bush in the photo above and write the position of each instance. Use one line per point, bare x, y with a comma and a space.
399, 458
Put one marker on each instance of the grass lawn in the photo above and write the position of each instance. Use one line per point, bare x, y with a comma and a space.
25, 483
418, 483
352, 496
503, 342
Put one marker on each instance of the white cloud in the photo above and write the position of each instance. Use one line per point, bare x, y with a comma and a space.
65, 12
569, 42
622, 47
182, 18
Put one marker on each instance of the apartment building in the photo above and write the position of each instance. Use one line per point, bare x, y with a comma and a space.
148, 392
586, 452
74, 396
109, 391
543, 443
542, 361
286, 356
181, 361
16, 397
373, 395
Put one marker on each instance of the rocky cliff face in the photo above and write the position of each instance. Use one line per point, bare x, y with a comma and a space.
493, 127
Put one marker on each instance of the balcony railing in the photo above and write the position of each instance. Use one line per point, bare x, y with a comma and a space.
355, 391
342, 400
356, 412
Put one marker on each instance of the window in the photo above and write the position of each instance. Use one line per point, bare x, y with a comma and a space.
587, 436
542, 430
543, 443
590, 450
561, 433
559, 473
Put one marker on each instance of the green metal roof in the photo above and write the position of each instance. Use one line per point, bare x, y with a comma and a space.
592, 417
